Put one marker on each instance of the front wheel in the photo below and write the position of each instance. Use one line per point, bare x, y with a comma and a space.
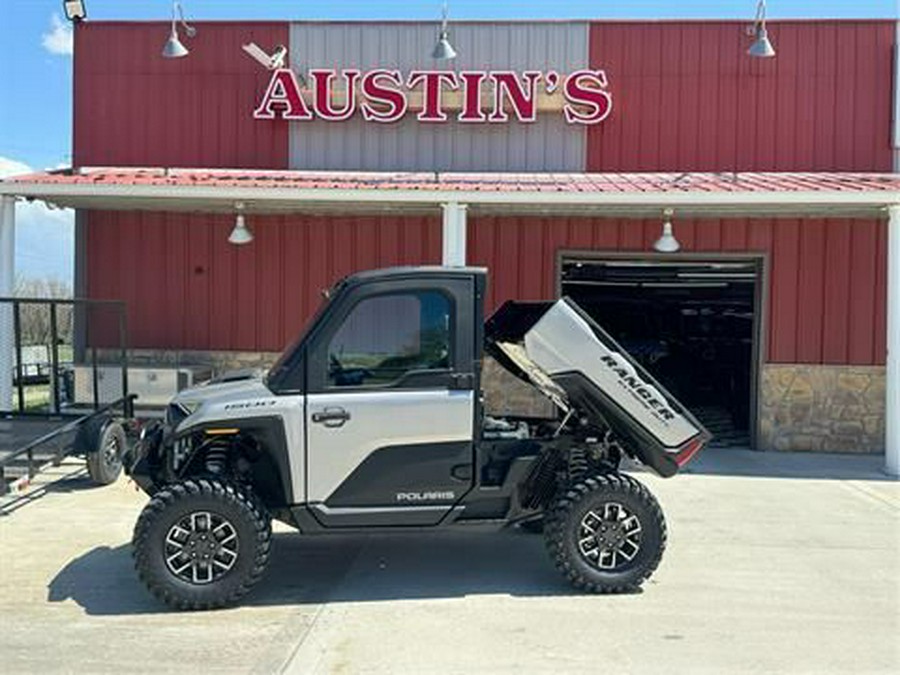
202, 544
606, 534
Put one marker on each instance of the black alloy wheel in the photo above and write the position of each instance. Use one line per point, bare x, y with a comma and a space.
606, 534
202, 544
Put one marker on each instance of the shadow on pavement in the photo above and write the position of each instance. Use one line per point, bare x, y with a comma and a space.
75, 480
816, 466
340, 568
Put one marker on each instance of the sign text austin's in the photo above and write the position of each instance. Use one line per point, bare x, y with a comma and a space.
470, 96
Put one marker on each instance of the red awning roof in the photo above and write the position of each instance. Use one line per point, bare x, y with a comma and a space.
601, 194
649, 183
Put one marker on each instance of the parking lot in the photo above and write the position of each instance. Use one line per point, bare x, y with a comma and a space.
776, 563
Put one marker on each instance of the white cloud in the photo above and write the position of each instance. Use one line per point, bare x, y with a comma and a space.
10, 167
59, 40
45, 237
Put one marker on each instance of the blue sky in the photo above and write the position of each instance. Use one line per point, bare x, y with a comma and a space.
36, 66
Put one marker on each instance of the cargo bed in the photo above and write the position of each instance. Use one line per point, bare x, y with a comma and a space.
562, 351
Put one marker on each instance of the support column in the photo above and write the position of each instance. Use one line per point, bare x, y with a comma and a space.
896, 124
892, 374
7, 284
455, 224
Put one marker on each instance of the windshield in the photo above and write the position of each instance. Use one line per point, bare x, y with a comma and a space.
286, 359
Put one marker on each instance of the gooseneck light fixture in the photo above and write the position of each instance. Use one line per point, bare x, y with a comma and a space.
667, 243
173, 48
762, 47
74, 10
443, 50
241, 234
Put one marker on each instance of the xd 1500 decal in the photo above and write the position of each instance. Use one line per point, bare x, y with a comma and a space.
436, 96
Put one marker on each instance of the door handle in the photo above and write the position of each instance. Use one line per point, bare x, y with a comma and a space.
331, 417
462, 381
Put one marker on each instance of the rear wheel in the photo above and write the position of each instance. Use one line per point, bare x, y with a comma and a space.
202, 544
606, 534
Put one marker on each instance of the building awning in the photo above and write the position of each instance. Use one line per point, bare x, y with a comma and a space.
614, 194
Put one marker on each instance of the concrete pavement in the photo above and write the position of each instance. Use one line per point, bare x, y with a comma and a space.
776, 563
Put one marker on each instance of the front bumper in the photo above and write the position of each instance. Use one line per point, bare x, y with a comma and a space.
144, 461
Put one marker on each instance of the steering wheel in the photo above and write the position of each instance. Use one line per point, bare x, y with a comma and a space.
347, 377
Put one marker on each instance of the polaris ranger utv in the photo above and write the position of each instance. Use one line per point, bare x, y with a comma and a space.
373, 421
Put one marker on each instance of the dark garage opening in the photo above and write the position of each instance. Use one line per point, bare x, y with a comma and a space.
692, 323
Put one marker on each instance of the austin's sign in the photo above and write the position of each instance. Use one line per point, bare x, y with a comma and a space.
470, 96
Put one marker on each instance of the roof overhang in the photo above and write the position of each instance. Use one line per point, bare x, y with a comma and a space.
603, 194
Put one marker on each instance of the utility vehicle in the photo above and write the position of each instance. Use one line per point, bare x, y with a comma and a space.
373, 421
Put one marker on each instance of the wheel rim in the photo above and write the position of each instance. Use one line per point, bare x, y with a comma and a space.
609, 537
201, 547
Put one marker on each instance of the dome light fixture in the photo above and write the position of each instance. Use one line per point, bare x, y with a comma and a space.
443, 50
762, 47
667, 243
241, 234
173, 48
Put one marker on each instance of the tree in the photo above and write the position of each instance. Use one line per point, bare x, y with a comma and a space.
34, 318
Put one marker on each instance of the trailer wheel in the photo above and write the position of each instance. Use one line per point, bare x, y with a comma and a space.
202, 544
606, 534
107, 445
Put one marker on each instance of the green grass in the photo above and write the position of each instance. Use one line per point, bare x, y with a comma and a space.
37, 396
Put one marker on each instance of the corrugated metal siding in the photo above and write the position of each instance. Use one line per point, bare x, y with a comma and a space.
826, 301
135, 108
549, 144
187, 288
688, 98
685, 98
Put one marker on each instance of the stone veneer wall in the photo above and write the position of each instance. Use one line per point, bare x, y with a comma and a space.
822, 408
505, 394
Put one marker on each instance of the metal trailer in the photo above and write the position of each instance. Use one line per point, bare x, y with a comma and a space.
81, 407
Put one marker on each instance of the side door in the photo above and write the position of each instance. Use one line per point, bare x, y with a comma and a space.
390, 405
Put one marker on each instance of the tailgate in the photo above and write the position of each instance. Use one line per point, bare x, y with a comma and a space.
563, 352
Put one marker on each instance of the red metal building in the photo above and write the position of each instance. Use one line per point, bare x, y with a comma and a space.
685, 100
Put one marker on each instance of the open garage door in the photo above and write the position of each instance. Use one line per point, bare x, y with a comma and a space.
694, 323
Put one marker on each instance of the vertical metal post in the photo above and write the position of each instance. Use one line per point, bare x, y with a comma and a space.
123, 346
7, 287
17, 341
95, 375
90, 343
54, 360
454, 234
892, 371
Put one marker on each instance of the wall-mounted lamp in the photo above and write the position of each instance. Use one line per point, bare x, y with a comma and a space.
761, 48
241, 234
443, 50
667, 243
74, 10
173, 48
